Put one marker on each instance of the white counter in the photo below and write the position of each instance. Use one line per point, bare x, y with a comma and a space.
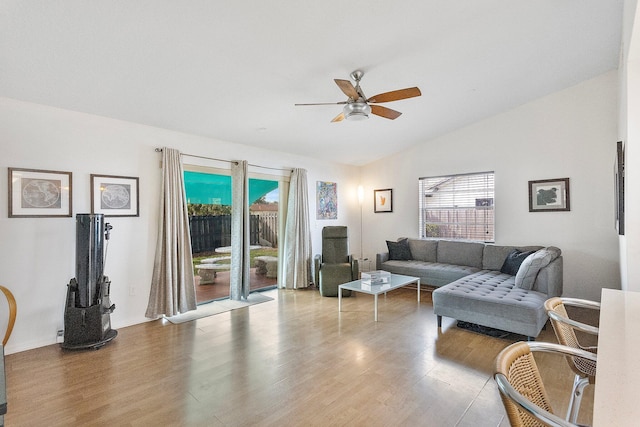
617, 401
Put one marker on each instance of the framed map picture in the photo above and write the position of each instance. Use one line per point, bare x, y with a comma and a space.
114, 195
37, 193
326, 200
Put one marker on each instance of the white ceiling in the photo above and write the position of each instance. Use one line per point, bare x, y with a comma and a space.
233, 70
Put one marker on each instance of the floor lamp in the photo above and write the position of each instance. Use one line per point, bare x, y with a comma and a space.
360, 201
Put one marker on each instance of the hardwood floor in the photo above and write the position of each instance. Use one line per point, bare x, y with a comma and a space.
220, 287
289, 362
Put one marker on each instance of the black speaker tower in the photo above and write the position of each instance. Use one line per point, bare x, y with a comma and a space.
87, 321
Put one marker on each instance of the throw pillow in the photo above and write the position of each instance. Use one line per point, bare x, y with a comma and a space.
530, 267
513, 261
399, 250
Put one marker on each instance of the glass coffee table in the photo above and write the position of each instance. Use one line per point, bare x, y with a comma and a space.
395, 281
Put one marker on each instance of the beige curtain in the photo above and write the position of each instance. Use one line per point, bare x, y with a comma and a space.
240, 261
172, 285
297, 238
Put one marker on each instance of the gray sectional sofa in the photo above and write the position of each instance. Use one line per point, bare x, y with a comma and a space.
471, 286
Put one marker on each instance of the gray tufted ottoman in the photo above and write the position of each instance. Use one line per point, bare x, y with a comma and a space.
490, 298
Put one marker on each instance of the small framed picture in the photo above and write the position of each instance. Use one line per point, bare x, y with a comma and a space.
383, 200
549, 195
37, 193
115, 195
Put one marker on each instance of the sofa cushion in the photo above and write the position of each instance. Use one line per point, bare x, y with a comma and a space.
513, 261
399, 250
495, 255
530, 267
460, 253
423, 250
430, 273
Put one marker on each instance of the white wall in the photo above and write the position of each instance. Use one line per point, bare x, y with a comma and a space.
37, 255
630, 134
571, 134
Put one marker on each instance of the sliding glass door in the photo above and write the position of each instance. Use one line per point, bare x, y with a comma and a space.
264, 198
209, 203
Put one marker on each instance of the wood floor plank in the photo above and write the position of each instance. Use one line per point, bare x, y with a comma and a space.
291, 361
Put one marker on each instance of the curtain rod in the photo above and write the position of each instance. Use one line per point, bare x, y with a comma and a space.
159, 150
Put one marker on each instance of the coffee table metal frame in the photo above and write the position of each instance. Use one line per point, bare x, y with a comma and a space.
395, 281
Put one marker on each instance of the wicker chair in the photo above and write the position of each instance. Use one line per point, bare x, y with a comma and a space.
11, 301
521, 388
565, 328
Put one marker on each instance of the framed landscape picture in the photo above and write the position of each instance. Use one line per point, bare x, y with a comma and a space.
35, 193
115, 195
548, 195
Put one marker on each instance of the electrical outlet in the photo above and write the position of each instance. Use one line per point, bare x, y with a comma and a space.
60, 336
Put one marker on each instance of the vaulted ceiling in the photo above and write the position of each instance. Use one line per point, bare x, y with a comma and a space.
233, 70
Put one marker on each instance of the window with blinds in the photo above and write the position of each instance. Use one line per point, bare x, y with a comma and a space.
459, 207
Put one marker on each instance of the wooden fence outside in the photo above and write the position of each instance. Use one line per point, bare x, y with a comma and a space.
267, 227
472, 223
209, 232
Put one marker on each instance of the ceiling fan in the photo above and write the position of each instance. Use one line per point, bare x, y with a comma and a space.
357, 107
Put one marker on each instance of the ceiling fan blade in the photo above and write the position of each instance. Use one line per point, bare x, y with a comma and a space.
338, 118
396, 95
385, 112
322, 103
348, 89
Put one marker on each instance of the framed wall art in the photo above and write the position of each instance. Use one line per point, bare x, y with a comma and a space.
115, 195
383, 200
35, 193
326, 200
549, 195
618, 176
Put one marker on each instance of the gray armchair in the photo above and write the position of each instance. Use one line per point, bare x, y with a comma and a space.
335, 266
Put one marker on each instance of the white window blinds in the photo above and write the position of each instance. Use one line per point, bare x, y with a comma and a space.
457, 207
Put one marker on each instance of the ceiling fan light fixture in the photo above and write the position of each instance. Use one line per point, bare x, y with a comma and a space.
356, 111
357, 106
